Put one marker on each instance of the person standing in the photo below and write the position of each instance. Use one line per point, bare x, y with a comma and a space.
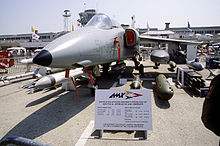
211, 107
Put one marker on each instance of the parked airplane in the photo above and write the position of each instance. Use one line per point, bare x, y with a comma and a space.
101, 41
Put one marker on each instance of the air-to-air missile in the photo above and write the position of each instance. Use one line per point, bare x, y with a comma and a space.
196, 66
39, 72
136, 83
172, 65
27, 61
17, 76
163, 87
56, 79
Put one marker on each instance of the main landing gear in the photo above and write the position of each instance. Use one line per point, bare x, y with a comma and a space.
156, 65
138, 66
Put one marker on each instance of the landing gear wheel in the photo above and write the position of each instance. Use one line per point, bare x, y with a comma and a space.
105, 69
92, 90
157, 64
136, 66
140, 58
141, 69
136, 63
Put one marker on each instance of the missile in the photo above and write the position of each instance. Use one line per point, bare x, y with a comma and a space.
195, 65
136, 83
163, 88
56, 79
172, 65
27, 61
19, 76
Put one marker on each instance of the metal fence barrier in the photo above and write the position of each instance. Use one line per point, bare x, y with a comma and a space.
17, 68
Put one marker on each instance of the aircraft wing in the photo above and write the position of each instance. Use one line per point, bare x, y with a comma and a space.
147, 39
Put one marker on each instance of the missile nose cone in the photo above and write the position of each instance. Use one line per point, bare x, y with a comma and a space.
43, 58
45, 82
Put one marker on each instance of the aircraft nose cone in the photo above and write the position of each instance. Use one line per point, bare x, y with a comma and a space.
43, 58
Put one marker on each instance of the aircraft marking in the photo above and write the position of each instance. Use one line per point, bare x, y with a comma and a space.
75, 87
87, 132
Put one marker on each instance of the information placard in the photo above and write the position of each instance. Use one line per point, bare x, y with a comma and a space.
123, 109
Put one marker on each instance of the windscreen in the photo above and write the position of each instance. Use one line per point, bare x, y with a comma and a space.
101, 21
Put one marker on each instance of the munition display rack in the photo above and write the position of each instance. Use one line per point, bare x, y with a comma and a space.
190, 78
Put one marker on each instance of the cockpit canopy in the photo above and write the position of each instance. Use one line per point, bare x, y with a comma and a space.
102, 21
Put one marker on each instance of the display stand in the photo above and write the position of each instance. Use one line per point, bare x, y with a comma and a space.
123, 110
181, 71
100, 134
67, 85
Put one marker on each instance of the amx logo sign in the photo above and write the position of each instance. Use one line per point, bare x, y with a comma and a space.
126, 94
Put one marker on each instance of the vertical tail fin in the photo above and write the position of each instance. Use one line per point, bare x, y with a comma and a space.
189, 28
148, 27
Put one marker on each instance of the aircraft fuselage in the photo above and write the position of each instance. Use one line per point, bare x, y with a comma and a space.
88, 46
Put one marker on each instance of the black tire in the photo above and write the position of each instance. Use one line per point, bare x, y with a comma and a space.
141, 69
157, 64
92, 90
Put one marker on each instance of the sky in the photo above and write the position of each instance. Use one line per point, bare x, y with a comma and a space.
17, 16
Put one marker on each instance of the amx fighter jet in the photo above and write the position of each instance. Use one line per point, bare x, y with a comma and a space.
101, 42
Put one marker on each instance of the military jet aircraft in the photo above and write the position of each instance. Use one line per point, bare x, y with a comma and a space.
101, 42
